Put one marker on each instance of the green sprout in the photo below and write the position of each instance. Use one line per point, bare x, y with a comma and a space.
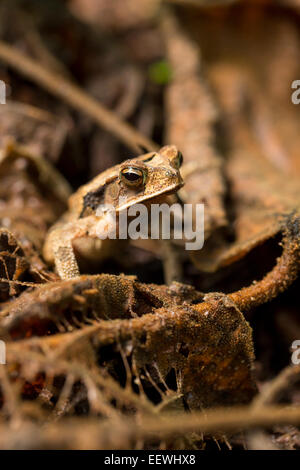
160, 72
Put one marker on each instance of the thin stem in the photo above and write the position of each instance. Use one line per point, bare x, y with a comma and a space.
58, 85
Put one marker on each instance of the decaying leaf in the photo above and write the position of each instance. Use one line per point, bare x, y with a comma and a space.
32, 195
146, 335
191, 119
258, 123
41, 133
13, 264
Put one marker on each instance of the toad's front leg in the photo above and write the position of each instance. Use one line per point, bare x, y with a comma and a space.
87, 237
59, 249
59, 245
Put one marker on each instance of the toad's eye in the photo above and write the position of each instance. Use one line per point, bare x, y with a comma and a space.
176, 160
132, 176
179, 159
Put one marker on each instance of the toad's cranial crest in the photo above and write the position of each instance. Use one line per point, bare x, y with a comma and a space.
139, 180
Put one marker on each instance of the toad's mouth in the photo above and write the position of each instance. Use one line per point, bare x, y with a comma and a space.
173, 188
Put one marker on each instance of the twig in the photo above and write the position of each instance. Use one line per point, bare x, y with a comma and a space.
76, 97
282, 381
222, 419
280, 277
169, 425
28, 110
21, 283
200, 3
29, 29
277, 280
171, 262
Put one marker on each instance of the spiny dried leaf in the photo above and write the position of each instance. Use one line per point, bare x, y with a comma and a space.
164, 341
